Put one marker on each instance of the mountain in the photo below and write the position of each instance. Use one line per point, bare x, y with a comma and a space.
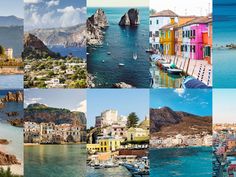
35, 48
166, 122
11, 21
41, 113
74, 36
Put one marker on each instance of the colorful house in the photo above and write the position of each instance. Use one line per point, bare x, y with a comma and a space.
207, 42
157, 21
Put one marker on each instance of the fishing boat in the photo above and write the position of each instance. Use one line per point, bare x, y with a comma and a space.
121, 64
174, 71
191, 82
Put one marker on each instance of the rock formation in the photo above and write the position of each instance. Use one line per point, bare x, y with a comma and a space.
4, 141
95, 26
131, 18
1, 104
7, 159
13, 97
35, 48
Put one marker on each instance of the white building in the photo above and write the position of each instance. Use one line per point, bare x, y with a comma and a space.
9, 53
157, 21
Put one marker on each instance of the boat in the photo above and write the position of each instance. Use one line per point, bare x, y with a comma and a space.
108, 53
155, 57
166, 66
121, 64
98, 166
135, 56
87, 53
103, 61
174, 71
191, 82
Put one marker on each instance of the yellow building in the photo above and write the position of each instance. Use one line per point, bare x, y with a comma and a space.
105, 144
137, 134
167, 38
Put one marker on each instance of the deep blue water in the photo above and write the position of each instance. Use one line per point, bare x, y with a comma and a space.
11, 81
122, 42
10, 107
76, 51
181, 162
224, 28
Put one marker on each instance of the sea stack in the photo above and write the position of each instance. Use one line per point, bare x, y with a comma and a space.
95, 24
131, 18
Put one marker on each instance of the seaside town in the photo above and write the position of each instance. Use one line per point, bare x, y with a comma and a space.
181, 50
119, 141
224, 146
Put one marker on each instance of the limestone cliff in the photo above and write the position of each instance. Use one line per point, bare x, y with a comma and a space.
131, 18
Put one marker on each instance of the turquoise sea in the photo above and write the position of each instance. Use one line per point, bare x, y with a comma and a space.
181, 162
224, 60
11, 81
122, 42
111, 172
55, 160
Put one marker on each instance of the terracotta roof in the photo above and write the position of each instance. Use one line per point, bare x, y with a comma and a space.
198, 20
169, 26
165, 13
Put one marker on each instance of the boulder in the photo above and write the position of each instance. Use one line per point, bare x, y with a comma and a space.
7, 159
4, 141
131, 18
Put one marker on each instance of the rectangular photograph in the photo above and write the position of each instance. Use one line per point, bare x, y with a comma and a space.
224, 133
180, 40
117, 37
55, 132
11, 131
11, 44
181, 132
117, 134
55, 44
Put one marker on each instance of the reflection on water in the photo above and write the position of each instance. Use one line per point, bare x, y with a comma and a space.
55, 160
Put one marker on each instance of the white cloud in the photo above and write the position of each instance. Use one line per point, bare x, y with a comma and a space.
53, 3
70, 15
180, 92
82, 107
32, 1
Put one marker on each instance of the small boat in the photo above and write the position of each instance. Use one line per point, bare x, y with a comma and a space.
97, 166
166, 66
174, 71
121, 64
103, 61
135, 56
190, 83
87, 53
108, 53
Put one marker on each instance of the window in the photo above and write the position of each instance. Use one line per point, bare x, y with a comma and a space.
157, 33
150, 22
188, 33
190, 48
157, 22
150, 34
183, 33
168, 34
194, 49
194, 33
186, 48
207, 51
191, 33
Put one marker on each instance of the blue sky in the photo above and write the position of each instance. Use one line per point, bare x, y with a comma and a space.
195, 101
54, 13
118, 3
12, 7
224, 105
72, 99
123, 100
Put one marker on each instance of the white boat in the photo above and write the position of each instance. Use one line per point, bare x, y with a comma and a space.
135, 56
103, 61
121, 64
174, 71
108, 53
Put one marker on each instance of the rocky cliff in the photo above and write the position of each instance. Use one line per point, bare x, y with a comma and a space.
95, 26
35, 48
131, 18
7, 159
41, 113
165, 121
13, 97
74, 36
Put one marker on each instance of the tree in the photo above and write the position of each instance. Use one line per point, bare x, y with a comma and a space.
152, 11
2, 50
132, 120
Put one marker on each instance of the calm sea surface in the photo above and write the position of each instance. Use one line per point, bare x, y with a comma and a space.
64, 51
55, 161
224, 60
111, 172
181, 162
122, 42
11, 81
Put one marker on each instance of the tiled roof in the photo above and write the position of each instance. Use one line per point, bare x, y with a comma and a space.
169, 26
165, 13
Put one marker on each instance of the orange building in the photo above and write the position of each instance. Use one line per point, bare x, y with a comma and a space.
207, 42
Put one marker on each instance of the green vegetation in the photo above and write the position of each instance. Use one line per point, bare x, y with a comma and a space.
7, 173
132, 120
2, 51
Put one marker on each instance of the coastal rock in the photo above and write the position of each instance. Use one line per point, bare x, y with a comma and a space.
7, 159
13, 97
131, 18
95, 26
1, 104
17, 122
122, 85
35, 48
4, 141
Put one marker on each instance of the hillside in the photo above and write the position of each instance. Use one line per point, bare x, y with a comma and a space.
165, 122
41, 113
11, 21
74, 36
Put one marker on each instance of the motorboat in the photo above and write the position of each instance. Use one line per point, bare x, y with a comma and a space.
121, 64
174, 71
